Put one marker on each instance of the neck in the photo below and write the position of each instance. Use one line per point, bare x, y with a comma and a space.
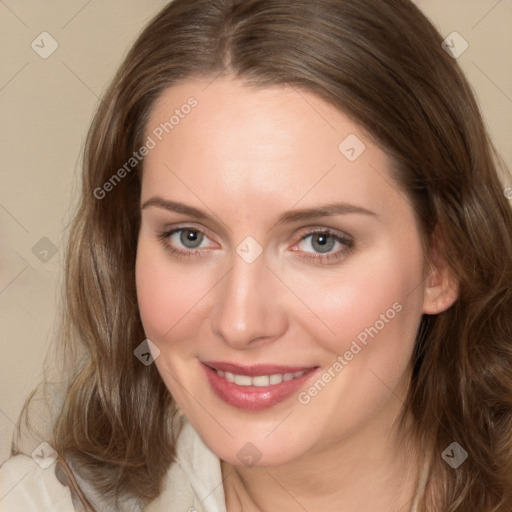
376, 469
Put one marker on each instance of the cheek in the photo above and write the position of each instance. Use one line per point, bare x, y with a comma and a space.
374, 307
378, 297
171, 297
153, 295
163, 295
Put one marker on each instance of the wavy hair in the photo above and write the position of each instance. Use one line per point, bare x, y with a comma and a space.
381, 62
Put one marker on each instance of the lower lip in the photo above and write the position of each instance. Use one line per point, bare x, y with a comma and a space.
254, 398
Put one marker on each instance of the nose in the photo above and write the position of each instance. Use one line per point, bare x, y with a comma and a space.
248, 310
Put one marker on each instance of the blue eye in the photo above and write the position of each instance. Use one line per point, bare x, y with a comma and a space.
323, 242
188, 237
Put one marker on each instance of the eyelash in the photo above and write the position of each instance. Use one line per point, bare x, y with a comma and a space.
348, 244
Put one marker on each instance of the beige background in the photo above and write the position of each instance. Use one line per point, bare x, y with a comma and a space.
47, 104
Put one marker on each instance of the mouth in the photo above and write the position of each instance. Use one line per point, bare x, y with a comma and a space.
255, 387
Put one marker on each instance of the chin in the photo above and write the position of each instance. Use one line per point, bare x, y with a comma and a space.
256, 445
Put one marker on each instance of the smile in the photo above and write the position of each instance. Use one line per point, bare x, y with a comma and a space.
255, 387
259, 380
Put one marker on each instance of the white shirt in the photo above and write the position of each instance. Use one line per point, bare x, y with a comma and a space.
192, 484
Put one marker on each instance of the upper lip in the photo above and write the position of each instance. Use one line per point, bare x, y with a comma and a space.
255, 369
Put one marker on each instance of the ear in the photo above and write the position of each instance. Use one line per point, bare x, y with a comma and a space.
441, 286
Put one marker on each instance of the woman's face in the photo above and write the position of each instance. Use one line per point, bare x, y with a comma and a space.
274, 243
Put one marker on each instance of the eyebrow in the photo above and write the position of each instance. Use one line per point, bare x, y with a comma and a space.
328, 210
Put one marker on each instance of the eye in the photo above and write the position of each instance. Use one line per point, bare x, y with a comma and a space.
323, 241
185, 241
190, 238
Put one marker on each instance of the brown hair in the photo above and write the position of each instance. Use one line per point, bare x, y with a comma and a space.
382, 63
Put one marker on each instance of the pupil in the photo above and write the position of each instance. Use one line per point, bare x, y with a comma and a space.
322, 242
190, 237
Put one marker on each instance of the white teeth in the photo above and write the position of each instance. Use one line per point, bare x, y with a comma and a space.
259, 380
243, 380
262, 380
277, 378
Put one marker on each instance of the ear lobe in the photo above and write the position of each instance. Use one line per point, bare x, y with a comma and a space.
441, 286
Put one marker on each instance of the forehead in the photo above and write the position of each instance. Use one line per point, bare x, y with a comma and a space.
265, 146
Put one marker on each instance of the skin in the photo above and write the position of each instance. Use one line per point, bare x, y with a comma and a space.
244, 156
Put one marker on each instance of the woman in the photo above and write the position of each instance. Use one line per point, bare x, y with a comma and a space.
289, 278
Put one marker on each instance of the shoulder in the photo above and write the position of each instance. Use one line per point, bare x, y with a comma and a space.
31, 486
193, 482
